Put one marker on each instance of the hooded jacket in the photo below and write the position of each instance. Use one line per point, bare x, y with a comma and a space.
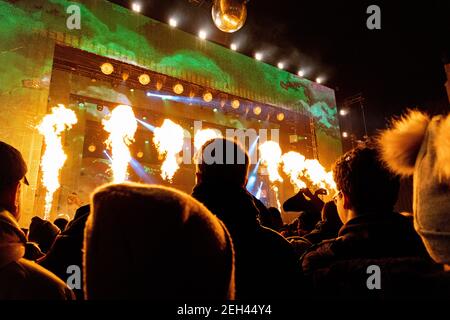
21, 279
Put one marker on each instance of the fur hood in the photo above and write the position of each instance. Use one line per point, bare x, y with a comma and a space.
419, 146
152, 242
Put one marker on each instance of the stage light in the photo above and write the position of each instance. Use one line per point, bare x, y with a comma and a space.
178, 88
257, 110
233, 46
140, 154
107, 68
131, 90
301, 73
202, 34
136, 7
92, 148
319, 80
215, 110
343, 112
173, 22
345, 134
125, 76
144, 118
235, 104
207, 97
229, 15
144, 79
147, 142
280, 116
280, 65
159, 85
258, 56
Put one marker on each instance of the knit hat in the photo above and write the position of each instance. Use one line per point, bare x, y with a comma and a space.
419, 146
152, 242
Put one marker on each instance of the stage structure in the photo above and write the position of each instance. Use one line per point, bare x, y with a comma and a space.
121, 57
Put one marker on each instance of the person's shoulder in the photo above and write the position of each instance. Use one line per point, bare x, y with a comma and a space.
39, 279
319, 254
271, 235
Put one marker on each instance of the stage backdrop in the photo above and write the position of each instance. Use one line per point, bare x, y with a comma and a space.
29, 31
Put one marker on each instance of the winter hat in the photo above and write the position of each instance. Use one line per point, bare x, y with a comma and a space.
153, 242
43, 232
419, 146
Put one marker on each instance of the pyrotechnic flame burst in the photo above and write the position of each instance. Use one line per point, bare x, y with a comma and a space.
169, 140
122, 126
203, 136
53, 159
293, 168
270, 156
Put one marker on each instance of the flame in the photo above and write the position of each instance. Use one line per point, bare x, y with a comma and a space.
299, 169
122, 126
53, 159
169, 140
270, 156
293, 167
203, 136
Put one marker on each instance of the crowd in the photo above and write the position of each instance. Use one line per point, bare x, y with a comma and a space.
136, 241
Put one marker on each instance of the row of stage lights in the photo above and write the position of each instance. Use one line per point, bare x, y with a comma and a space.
144, 79
202, 34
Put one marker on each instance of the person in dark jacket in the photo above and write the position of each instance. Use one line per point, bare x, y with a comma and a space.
265, 261
67, 250
328, 227
20, 279
366, 195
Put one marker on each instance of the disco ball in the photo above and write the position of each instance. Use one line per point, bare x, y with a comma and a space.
229, 15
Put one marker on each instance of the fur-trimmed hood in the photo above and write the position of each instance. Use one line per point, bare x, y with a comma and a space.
152, 242
419, 146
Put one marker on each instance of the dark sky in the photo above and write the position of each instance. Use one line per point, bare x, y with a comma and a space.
399, 66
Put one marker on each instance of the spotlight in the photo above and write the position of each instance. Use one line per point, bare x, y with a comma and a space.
107, 68
301, 73
144, 118
136, 7
144, 79
215, 109
280, 65
233, 46
257, 110
345, 134
258, 56
131, 90
125, 76
319, 80
235, 104
147, 142
178, 88
280, 116
92, 148
207, 97
343, 112
202, 34
173, 22
140, 154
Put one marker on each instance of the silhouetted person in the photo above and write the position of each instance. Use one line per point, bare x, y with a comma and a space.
328, 227
271, 218
265, 261
366, 195
67, 249
61, 222
43, 233
19, 278
150, 242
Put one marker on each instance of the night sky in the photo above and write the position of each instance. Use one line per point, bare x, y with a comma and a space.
399, 66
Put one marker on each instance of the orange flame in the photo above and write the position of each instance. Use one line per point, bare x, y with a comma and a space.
53, 159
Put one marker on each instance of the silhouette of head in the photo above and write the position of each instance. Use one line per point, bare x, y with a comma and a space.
152, 242
223, 161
